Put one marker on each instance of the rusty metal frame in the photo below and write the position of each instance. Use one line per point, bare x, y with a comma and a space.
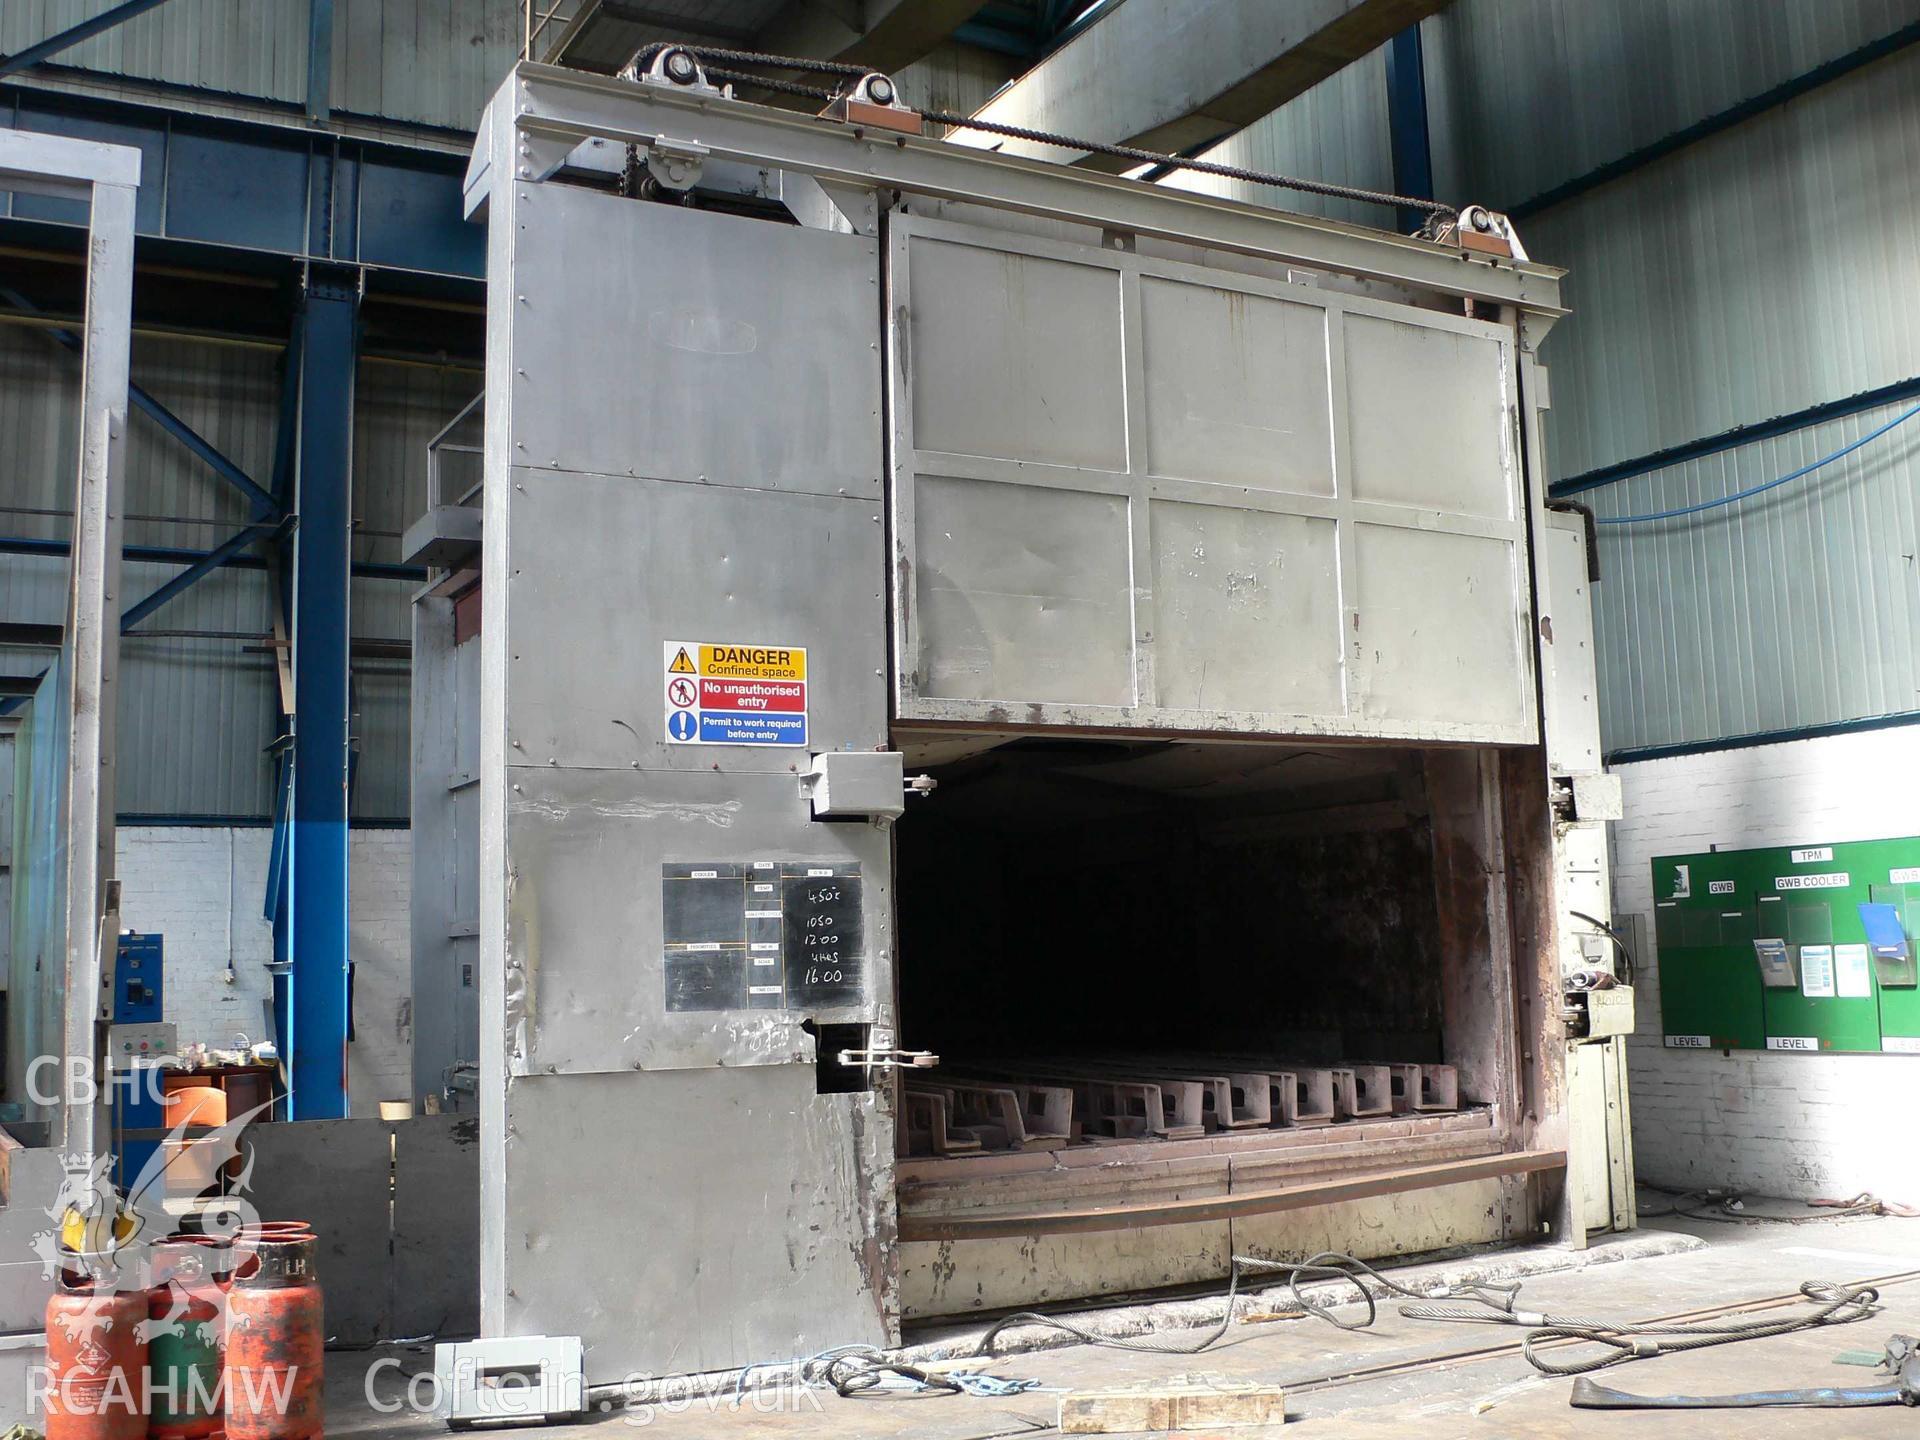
1231, 1207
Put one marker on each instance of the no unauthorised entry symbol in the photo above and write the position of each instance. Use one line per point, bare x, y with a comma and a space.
682, 692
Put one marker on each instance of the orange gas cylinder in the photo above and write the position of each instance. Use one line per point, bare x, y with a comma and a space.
276, 1338
96, 1362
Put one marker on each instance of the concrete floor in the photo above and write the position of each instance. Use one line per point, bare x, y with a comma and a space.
1443, 1394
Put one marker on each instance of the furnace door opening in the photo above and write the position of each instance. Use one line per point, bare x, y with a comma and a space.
1163, 976
1254, 929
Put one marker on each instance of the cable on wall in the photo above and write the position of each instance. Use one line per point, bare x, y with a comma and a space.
1751, 491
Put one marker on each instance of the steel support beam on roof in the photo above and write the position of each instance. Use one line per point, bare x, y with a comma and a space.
554, 109
181, 555
317, 874
1407, 132
1178, 75
220, 187
225, 468
196, 572
107, 176
603, 35
880, 34
74, 34
30, 635
268, 507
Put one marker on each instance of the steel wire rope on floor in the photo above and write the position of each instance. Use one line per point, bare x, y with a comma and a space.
1639, 1340
1327, 1266
1835, 1304
813, 1370
1864, 1203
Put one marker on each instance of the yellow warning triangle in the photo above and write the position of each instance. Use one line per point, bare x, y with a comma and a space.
681, 664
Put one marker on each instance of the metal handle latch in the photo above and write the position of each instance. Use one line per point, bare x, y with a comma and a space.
890, 1059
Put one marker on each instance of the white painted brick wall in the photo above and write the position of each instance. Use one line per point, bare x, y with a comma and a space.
379, 937
1795, 1125
203, 888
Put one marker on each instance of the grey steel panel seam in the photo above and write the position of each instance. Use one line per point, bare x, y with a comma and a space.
1353, 684
998, 470
1144, 610
642, 476
1162, 267
1013, 715
569, 106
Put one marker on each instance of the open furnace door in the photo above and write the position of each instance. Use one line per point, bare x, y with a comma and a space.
682, 589
1137, 493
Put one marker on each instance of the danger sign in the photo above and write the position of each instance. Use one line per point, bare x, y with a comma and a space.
719, 694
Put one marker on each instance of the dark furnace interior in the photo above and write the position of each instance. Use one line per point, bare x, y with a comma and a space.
1098, 899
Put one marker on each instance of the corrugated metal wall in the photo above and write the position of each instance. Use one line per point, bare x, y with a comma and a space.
1526, 94
37, 921
433, 62
198, 713
1796, 608
1762, 271
1753, 274
243, 47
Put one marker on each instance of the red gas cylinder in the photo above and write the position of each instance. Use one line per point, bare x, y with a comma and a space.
96, 1361
276, 1338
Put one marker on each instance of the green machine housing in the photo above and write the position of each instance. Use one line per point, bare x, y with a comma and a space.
1720, 990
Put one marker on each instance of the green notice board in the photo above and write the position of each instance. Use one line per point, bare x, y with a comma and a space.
1767, 949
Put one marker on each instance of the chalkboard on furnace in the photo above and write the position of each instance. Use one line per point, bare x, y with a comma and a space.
762, 935
824, 939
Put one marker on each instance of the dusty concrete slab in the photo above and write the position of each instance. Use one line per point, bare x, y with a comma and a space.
1400, 1376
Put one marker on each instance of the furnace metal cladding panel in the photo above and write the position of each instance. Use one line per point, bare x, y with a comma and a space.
684, 449
710, 487
1131, 492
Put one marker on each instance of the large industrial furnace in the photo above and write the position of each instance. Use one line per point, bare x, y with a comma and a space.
1003, 734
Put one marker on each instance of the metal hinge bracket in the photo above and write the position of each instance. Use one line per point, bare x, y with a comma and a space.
889, 1059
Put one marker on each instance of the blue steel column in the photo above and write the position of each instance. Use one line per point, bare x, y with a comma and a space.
322, 559
1407, 122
